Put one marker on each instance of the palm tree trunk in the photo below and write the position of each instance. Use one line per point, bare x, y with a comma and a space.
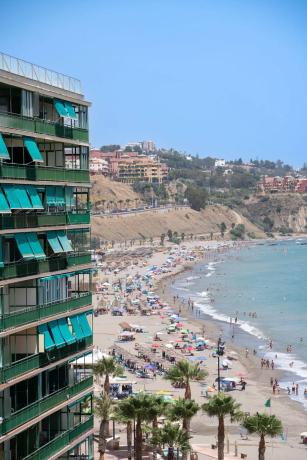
261, 448
102, 443
187, 393
154, 447
129, 439
186, 422
138, 440
220, 438
106, 385
171, 453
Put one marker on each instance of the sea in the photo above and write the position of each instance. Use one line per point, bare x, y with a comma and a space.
257, 295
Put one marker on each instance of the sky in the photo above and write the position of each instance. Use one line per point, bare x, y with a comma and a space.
225, 78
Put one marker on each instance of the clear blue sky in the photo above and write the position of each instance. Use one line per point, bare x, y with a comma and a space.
211, 77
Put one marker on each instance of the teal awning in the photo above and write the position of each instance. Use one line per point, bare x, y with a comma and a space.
60, 108
4, 207
70, 110
86, 328
23, 197
59, 196
50, 195
65, 331
23, 246
12, 197
76, 327
35, 246
33, 150
4, 154
65, 243
34, 196
52, 238
48, 342
56, 334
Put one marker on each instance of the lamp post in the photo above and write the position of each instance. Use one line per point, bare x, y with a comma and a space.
220, 352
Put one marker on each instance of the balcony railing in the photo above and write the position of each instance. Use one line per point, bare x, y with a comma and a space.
35, 267
38, 73
39, 126
43, 173
13, 370
43, 405
14, 221
38, 312
61, 441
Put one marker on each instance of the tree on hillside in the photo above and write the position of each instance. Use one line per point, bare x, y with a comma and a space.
162, 238
109, 148
169, 234
223, 228
197, 197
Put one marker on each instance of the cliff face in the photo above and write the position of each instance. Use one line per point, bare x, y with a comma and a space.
284, 210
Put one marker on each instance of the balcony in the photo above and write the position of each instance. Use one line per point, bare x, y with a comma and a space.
37, 361
61, 441
14, 221
38, 312
39, 126
43, 405
35, 267
43, 173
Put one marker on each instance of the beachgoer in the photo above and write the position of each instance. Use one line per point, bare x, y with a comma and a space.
271, 381
296, 389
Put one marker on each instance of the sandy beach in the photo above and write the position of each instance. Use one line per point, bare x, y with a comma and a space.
258, 390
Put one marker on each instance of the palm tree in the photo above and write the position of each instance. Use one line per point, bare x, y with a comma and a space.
263, 425
174, 437
107, 366
183, 409
157, 406
103, 406
121, 415
220, 406
136, 408
184, 372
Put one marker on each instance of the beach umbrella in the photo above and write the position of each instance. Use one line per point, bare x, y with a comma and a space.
179, 325
169, 345
197, 358
149, 366
200, 339
155, 345
184, 331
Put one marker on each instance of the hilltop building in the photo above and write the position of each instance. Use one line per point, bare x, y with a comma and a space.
283, 184
128, 167
45, 265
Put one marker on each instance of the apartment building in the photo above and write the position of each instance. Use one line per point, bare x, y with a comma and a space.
45, 266
141, 168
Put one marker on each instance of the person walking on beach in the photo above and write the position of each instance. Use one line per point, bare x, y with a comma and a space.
272, 365
296, 389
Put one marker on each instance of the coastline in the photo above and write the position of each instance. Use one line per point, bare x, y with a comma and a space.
292, 413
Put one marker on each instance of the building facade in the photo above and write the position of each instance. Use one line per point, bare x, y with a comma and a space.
141, 168
45, 266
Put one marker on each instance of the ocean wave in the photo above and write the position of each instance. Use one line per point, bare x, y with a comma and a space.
244, 325
191, 278
284, 360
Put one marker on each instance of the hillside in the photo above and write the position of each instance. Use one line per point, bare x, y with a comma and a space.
104, 191
154, 223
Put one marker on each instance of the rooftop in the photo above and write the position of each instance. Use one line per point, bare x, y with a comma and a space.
37, 73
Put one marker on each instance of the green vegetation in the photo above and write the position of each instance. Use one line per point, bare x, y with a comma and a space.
238, 232
197, 197
264, 425
109, 148
184, 372
221, 406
